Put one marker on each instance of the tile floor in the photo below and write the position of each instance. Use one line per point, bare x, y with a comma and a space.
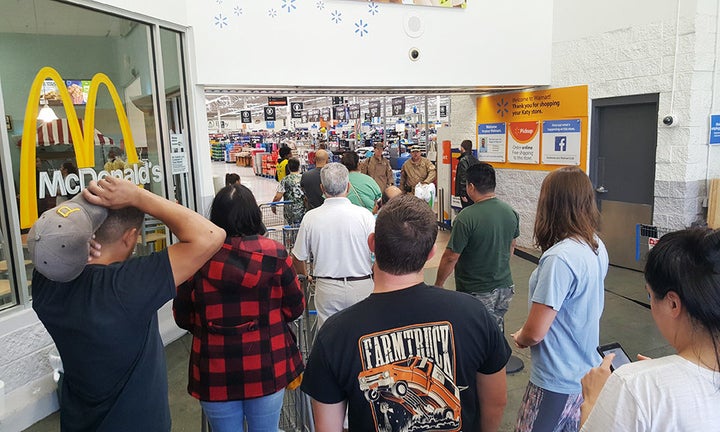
623, 321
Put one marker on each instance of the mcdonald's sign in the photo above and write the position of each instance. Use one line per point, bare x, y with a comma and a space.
82, 141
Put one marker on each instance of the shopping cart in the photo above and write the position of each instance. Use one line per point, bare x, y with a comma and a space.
647, 236
273, 215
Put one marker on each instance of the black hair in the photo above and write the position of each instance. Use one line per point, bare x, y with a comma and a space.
350, 159
687, 262
235, 210
405, 232
284, 152
117, 222
466, 145
70, 167
482, 176
231, 178
292, 165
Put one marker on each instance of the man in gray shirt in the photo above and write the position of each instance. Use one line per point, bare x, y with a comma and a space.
310, 181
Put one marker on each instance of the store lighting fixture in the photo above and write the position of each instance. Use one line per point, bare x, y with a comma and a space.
46, 113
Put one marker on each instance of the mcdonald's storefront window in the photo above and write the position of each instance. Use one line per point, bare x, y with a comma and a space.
82, 90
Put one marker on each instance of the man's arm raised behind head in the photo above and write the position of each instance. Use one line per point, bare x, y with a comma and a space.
199, 238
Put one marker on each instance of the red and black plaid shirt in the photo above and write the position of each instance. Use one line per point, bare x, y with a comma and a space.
237, 307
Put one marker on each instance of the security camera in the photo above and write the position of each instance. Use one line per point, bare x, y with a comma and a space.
414, 54
669, 120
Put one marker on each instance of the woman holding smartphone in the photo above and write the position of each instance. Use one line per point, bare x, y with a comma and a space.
566, 302
682, 391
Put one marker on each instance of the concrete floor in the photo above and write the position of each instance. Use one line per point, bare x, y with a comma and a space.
623, 321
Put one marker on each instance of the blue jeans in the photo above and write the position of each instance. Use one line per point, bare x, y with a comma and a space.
262, 414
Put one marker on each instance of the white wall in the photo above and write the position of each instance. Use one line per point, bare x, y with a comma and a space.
489, 43
170, 11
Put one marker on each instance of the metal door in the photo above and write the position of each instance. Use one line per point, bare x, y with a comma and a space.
623, 142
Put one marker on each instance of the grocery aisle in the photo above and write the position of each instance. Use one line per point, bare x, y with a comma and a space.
263, 188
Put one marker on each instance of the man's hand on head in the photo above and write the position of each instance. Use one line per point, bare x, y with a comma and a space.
112, 192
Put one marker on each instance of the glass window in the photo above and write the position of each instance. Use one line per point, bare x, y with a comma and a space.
122, 121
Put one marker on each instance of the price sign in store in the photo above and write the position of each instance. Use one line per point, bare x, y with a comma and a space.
374, 107
354, 111
398, 106
246, 116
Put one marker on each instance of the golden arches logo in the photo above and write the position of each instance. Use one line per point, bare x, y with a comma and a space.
83, 141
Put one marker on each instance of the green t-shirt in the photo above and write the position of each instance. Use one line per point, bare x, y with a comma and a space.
364, 191
482, 234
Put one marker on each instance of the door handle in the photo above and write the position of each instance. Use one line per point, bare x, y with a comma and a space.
601, 189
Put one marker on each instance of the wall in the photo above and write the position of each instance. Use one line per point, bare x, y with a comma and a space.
489, 43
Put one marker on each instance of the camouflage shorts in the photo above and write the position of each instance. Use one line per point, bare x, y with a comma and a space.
497, 303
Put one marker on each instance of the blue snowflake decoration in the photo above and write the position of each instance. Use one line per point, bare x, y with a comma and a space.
272, 13
218, 1
502, 107
336, 17
289, 5
320, 5
238, 11
221, 21
361, 28
373, 8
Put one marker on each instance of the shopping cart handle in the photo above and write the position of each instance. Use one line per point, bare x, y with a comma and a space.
274, 203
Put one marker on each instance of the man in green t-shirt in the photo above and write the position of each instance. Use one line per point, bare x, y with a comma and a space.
481, 243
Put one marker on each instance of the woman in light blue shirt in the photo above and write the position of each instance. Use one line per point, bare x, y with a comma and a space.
566, 302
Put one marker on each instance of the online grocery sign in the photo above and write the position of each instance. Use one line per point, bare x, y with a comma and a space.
83, 142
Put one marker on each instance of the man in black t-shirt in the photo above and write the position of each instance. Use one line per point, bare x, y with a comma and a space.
310, 181
410, 357
103, 316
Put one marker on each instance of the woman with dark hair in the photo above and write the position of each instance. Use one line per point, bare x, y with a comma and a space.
682, 391
231, 179
237, 308
364, 190
566, 301
289, 190
281, 167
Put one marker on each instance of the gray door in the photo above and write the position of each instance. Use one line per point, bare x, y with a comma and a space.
623, 142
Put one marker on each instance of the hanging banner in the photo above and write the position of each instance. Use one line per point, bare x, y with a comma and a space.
269, 113
325, 114
491, 140
530, 143
561, 142
374, 107
443, 110
296, 109
398, 106
354, 111
277, 101
340, 113
314, 115
338, 100
246, 116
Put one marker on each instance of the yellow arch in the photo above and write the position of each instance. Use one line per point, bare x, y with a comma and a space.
82, 140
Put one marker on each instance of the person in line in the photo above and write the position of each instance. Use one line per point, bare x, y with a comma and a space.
481, 244
281, 167
104, 320
342, 268
363, 189
377, 167
566, 301
310, 181
231, 179
323, 146
65, 169
681, 391
389, 193
289, 190
237, 307
417, 169
438, 347
466, 160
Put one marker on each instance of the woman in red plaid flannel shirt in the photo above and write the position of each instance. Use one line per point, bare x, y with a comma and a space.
237, 308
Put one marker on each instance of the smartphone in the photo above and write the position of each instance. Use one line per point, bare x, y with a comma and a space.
621, 356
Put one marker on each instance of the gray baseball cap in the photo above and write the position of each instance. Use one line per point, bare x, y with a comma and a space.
58, 240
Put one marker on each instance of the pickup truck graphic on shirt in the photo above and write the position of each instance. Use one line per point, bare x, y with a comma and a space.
412, 394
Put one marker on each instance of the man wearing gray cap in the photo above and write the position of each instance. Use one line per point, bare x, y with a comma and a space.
103, 316
416, 170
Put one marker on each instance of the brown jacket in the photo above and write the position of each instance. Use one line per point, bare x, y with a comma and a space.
413, 173
380, 171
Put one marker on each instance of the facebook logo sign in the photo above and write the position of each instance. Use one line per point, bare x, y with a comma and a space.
560, 143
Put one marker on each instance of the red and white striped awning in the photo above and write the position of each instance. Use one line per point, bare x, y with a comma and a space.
57, 132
